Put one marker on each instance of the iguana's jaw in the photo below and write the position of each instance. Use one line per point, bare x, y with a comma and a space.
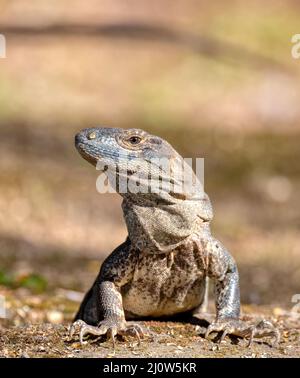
86, 156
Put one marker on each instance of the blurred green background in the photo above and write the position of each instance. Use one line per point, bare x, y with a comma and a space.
216, 79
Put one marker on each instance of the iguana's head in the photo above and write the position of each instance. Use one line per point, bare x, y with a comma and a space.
111, 144
135, 155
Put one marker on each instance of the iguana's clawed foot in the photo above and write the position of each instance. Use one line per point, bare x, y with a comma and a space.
109, 327
242, 329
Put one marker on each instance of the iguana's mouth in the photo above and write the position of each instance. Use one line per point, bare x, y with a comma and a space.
81, 148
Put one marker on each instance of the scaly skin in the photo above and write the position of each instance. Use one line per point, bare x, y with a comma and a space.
162, 267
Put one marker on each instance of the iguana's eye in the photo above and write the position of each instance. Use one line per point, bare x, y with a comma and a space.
134, 140
92, 135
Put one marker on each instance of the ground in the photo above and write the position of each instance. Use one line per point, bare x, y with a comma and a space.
50, 316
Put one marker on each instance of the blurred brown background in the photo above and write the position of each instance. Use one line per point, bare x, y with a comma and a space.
216, 79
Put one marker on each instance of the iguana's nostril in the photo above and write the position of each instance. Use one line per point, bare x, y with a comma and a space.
92, 135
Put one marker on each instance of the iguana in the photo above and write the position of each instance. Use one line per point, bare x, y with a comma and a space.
162, 268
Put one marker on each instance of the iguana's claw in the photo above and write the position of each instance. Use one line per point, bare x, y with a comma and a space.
109, 327
74, 326
241, 329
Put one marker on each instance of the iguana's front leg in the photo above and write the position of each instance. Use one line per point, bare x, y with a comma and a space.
101, 311
223, 270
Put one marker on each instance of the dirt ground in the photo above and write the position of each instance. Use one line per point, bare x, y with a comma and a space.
50, 316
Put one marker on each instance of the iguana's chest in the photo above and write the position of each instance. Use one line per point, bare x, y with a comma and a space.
166, 284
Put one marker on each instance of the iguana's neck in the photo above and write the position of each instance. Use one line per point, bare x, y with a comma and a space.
161, 223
